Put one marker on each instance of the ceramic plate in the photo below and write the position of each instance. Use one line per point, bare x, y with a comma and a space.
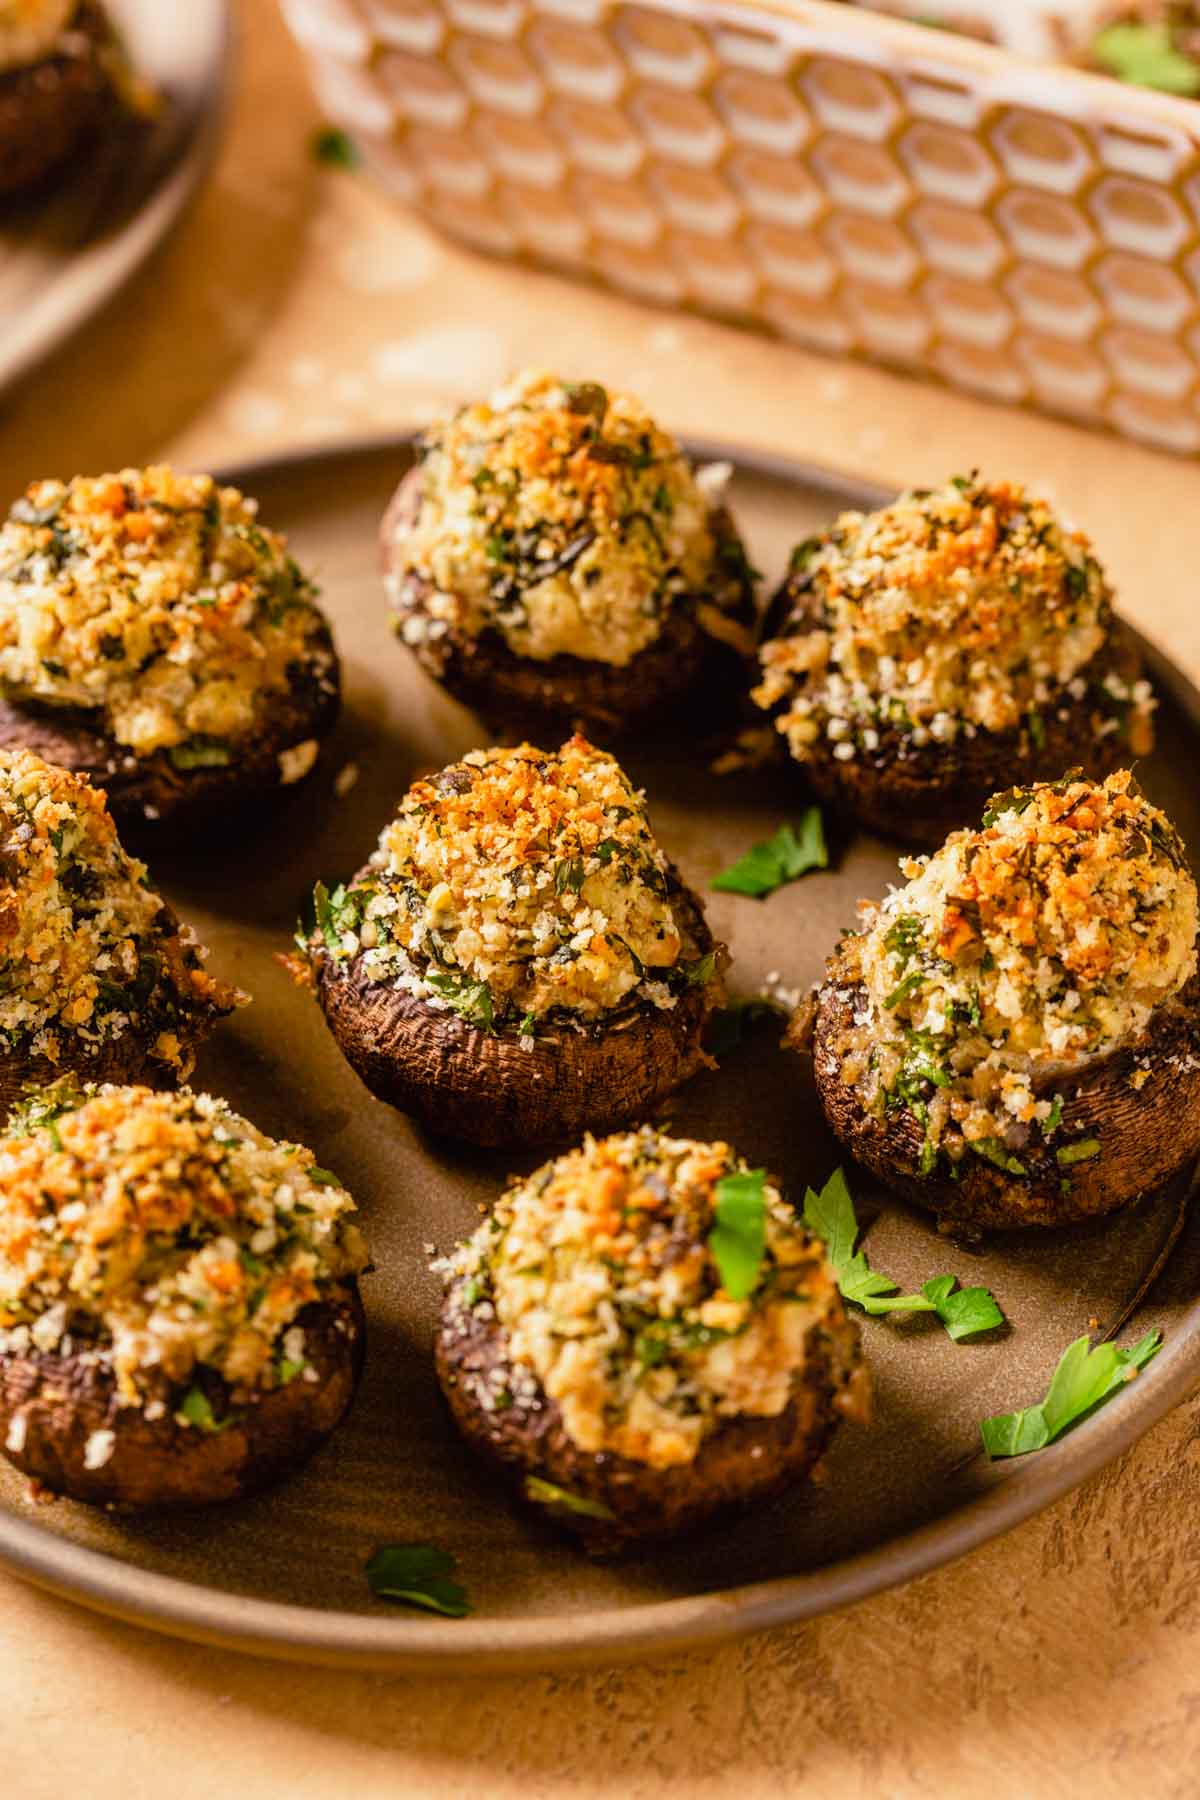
66, 251
283, 1574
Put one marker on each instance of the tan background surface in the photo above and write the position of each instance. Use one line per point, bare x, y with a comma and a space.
296, 307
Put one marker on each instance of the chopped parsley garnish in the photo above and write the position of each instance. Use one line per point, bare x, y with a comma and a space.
996, 1151
1083, 1380
739, 1237
200, 756
904, 988
323, 1177
196, 1409
569, 876
963, 1311
903, 939
471, 1000
41, 1110
334, 913
547, 1493
782, 858
1053, 1118
334, 147
1145, 54
1079, 1151
418, 1575
700, 972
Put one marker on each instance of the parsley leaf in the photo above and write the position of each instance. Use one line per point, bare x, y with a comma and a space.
200, 756
471, 1000
1080, 1151
830, 1214
1146, 55
418, 1575
1084, 1379
334, 148
739, 1236
782, 858
546, 1493
196, 1409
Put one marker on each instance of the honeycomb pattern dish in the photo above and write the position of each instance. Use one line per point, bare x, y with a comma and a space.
857, 184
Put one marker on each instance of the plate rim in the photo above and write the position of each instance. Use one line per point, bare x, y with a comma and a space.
480, 1645
109, 262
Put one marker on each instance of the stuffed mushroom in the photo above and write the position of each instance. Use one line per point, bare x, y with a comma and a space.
156, 637
631, 1371
518, 961
179, 1315
554, 561
97, 976
57, 62
958, 641
1013, 1037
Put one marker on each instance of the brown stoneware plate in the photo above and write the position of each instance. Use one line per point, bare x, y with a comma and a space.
67, 249
283, 1574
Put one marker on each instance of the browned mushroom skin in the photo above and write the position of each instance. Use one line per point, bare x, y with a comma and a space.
162, 1463
494, 1089
49, 107
1146, 1135
521, 696
150, 798
918, 794
742, 1462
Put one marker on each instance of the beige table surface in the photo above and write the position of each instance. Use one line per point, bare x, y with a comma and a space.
295, 307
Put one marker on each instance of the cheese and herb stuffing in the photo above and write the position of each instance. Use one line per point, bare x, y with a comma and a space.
969, 608
560, 516
514, 885
88, 950
1017, 951
159, 602
162, 1234
606, 1272
31, 30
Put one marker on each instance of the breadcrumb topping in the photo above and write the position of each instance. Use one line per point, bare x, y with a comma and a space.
967, 608
518, 883
30, 30
597, 1269
1045, 938
88, 949
561, 516
158, 601
161, 1232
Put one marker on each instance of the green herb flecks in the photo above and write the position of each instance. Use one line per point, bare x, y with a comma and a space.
200, 756
1080, 1151
418, 1575
700, 971
471, 1000
41, 1109
334, 148
963, 1311
546, 1493
995, 1151
739, 1237
1084, 1379
785, 857
196, 1409
335, 914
